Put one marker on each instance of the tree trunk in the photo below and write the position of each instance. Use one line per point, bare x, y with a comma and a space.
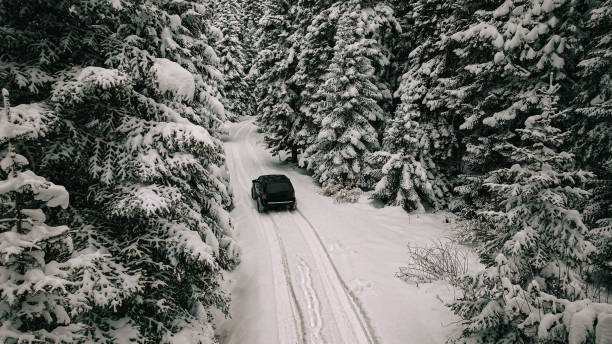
294, 154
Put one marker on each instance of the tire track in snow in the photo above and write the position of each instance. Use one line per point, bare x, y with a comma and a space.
289, 281
313, 302
349, 304
350, 318
355, 303
315, 312
294, 305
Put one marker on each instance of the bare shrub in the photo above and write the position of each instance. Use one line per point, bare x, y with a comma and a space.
331, 189
348, 195
441, 260
342, 195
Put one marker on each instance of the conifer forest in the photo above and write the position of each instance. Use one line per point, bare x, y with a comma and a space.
451, 163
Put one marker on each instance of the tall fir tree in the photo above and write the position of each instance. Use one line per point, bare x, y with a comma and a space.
42, 39
508, 49
421, 137
534, 286
48, 289
272, 69
253, 12
237, 98
591, 133
352, 96
135, 147
315, 50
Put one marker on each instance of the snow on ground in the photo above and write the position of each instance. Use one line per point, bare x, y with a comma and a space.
325, 273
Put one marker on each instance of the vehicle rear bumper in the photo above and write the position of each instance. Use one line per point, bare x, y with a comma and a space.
278, 203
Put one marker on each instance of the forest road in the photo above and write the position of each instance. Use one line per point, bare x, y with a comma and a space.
301, 290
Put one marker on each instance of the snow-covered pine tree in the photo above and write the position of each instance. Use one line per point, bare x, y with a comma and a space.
403, 42
315, 48
237, 97
41, 39
407, 178
421, 135
197, 34
534, 290
350, 99
253, 12
153, 173
509, 47
47, 288
272, 69
133, 146
34, 292
592, 137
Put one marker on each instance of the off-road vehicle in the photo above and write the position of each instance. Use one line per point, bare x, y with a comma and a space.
273, 191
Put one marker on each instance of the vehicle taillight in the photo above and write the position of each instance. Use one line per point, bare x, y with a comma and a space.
265, 195
293, 193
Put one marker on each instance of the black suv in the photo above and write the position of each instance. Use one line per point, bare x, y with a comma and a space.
273, 190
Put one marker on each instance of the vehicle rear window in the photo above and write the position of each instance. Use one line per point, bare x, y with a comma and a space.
278, 187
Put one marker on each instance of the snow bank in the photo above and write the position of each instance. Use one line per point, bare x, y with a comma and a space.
174, 78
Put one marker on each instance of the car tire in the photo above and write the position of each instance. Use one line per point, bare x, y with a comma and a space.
252, 193
293, 206
260, 206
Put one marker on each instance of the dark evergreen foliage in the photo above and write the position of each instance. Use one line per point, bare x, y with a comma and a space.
123, 98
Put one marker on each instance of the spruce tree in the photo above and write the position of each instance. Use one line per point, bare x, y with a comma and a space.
34, 291
237, 98
508, 49
535, 285
421, 137
153, 168
273, 67
349, 110
253, 12
44, 38
48, 288
316, 46
406, 178
591, 134
135, 146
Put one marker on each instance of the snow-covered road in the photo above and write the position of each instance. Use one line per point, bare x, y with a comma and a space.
323, 273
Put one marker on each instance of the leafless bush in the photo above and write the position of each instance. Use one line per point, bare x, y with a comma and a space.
465, 232
348, 195
331, 189
438, 261
342, 195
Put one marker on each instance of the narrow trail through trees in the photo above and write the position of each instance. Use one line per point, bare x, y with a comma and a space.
313, 302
